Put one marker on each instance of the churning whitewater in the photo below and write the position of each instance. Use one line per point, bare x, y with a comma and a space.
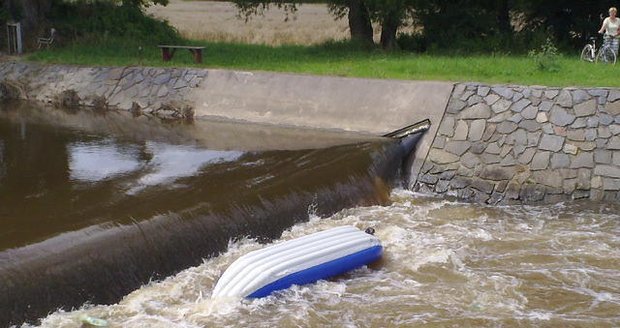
445, 264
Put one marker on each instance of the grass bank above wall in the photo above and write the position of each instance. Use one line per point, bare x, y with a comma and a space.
342, 59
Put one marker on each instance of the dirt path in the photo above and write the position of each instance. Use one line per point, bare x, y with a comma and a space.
217, 21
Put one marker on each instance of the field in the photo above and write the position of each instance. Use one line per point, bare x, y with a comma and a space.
218, 21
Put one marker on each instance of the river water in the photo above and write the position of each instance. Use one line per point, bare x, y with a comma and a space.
445, 263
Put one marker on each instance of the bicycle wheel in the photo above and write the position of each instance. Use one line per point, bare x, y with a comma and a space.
587, 54
606, 56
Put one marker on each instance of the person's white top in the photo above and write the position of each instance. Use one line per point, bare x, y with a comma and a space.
611, 27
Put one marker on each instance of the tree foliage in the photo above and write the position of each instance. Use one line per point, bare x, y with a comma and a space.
460, 25
569, 22
486, 25
135, 3
101, 20
95, 20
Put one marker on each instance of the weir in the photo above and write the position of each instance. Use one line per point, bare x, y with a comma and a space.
76, 236
368, 106
493, 144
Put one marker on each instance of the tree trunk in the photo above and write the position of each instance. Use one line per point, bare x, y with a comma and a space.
389, 26
359, 21
503, 17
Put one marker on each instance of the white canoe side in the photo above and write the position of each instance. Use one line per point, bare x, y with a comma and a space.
299, 261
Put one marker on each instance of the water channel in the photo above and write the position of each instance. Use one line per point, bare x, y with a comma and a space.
70, 181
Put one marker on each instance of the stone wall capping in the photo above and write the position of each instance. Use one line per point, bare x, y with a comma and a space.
483, 90
465, 96
580, 96
613, 95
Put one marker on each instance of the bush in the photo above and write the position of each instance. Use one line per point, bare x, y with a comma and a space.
518, 43
546, 57
96, 21
412, 42
344, 46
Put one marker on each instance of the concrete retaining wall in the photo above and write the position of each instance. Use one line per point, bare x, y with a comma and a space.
364, 105
359, 105
515, 144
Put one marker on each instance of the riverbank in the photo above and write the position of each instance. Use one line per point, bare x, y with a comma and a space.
342, 59
490, 143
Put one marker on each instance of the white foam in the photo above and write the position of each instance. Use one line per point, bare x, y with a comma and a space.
490, 265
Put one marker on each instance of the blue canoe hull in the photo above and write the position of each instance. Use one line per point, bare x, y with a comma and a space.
322, 271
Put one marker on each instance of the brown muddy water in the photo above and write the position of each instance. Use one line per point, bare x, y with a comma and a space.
446, 264
94, 205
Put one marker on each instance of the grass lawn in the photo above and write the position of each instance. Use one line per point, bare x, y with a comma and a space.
341, 59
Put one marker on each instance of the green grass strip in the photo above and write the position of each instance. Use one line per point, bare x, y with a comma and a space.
343, 59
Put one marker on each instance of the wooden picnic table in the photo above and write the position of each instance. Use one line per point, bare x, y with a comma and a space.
167, 52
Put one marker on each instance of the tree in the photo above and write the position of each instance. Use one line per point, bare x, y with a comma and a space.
502, 16
391, 14
355, 10
358, 16
137, 3
34, 14
570, 22
446, 22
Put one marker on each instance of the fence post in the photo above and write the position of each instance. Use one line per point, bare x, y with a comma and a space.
14, 37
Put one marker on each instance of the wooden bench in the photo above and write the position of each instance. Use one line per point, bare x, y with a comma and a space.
167, 52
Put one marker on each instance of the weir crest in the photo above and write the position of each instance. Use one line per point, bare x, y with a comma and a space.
492, 144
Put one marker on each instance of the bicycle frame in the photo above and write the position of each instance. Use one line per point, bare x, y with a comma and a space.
606, 54
589, 50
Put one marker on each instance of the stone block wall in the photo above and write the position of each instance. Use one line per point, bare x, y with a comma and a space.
144, 88
517, 144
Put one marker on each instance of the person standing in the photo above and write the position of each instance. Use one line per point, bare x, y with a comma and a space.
611, 29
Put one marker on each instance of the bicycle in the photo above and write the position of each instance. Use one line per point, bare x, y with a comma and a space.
604, 55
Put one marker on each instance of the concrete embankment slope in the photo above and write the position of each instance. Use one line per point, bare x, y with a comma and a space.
363, 105
359, 105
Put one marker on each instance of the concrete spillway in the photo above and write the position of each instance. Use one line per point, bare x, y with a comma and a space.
76, 236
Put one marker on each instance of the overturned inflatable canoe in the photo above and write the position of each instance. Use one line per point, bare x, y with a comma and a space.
299, 261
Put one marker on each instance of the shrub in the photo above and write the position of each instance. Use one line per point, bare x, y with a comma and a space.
546, 57
96, 21
412, 42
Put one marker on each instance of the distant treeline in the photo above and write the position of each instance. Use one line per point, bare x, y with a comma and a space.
463, 25
460, 26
